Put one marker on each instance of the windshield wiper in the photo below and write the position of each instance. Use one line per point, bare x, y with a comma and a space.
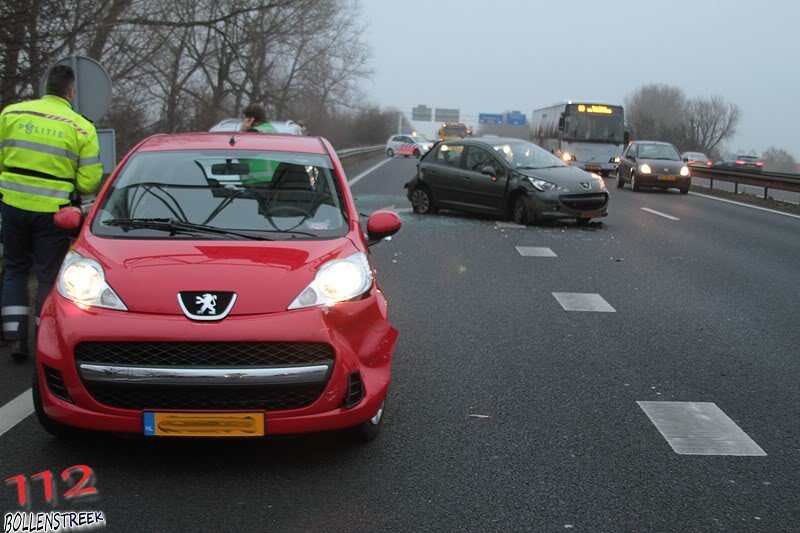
177, 226
539, 168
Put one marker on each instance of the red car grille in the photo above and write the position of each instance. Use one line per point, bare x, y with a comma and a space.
204, 353
190, 398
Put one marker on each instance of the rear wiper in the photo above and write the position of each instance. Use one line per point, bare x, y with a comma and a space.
176, 226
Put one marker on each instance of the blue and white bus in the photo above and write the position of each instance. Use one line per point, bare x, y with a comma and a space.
589, 135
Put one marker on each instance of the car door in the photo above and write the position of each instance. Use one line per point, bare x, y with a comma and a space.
483, 192
628, 163
443, 174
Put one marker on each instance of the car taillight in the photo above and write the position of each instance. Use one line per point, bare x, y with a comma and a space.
739, 162
760, 164
709, 163
691, 161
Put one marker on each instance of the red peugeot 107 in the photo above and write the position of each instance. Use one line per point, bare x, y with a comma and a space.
219, 287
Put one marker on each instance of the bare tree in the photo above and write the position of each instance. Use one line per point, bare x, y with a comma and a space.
708, 123
778, 160
662, 112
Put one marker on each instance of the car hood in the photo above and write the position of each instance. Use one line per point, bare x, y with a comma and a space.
266, 276
569, 177
660, 166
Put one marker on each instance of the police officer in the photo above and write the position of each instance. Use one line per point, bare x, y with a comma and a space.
47, 153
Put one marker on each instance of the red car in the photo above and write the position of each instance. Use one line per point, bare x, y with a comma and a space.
219, 287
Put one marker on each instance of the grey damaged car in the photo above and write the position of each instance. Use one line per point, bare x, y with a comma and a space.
510, 178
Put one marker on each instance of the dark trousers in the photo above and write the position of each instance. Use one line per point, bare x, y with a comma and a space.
31, 241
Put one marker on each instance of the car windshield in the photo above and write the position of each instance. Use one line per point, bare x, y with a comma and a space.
658, 151
271, 194
527, 155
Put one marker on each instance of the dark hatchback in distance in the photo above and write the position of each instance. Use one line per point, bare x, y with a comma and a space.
510, 178
653, 164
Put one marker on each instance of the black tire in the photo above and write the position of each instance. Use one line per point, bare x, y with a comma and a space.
416, 153
684, 190
620, 182
523, 212
634, 183
406, 156
390, 153
368, 431
422, 201
583, 221
60, 431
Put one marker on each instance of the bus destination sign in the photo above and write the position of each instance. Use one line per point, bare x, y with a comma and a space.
599, 109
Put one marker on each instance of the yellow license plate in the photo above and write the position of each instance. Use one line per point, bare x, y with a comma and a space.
667, 178
204, 424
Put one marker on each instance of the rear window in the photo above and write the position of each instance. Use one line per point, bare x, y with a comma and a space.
750, 158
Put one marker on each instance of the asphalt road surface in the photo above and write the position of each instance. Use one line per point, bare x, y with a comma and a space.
508, 412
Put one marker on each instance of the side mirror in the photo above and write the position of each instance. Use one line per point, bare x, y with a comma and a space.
68, 218
382, 224
489, 170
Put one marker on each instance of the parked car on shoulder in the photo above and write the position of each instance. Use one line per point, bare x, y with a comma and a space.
218, 289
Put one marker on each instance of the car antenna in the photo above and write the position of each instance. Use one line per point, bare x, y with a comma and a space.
232, 142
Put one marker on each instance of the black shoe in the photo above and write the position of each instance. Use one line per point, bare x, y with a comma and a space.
19, 350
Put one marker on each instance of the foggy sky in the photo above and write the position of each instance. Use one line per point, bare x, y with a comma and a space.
498, 55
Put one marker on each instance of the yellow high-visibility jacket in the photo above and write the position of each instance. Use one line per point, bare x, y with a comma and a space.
47, 151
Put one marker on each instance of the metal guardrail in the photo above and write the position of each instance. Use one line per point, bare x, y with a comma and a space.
349, 152
768, 180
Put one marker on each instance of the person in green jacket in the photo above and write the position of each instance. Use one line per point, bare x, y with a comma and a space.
48, 152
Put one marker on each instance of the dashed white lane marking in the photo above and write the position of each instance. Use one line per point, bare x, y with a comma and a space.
367, 172
533, 251
16, 411
510, 225
699, 428
659, 213
744, 205
578, 301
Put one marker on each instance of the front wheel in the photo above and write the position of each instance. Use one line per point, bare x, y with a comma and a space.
523, 211
634, 183
684, 190
367, 431
422, 201
417, 153
390, 152
583, 221
620, 183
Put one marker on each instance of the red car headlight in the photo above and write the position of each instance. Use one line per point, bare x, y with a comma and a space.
83, 281
337, 281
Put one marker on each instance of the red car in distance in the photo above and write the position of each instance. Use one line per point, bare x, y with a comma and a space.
220, 287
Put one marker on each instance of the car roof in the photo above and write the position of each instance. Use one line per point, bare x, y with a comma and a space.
244, 141
491, 141
655, 142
